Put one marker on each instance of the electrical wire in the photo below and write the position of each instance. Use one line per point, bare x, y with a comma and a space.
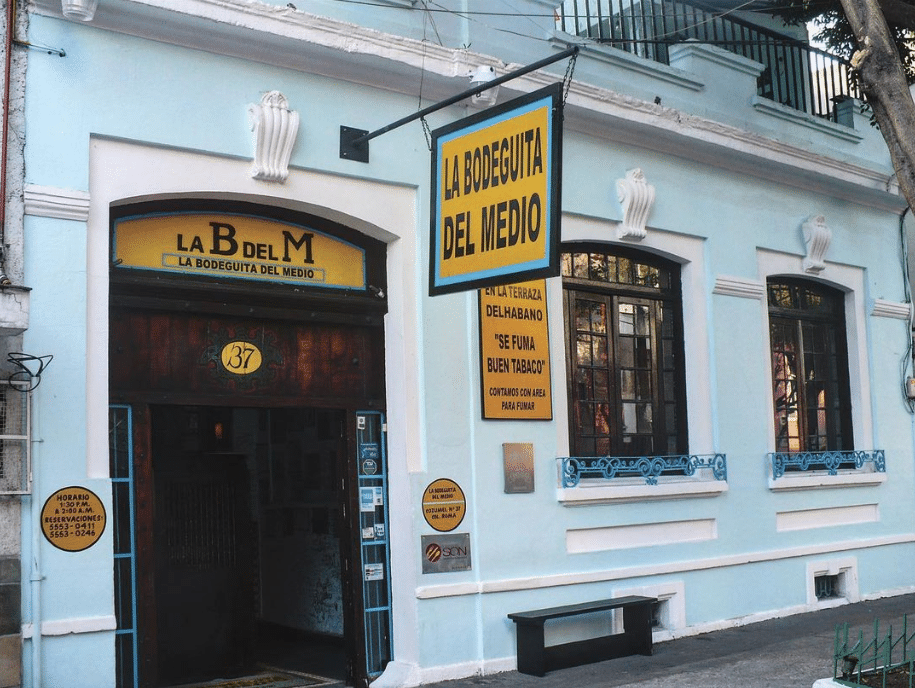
27, 378
906, 362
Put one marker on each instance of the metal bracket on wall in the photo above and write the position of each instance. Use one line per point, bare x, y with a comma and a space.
354, 143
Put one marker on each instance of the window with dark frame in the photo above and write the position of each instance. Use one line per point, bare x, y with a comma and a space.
809, 367
624, 339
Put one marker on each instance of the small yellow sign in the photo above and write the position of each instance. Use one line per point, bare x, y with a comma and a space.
444, 505
241, 358
515, 352
496, 193
73, 519
237, 247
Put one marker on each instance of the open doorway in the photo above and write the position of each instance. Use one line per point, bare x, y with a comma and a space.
248, 541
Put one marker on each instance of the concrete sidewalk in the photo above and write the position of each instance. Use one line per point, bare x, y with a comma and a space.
793, 652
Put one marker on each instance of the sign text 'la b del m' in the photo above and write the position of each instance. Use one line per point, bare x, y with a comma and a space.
496, 195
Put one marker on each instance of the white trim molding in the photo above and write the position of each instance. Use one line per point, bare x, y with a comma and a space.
61, 204
88, 624
808, 519
881, 308
743, 288
429, 592
623, 490
603, 539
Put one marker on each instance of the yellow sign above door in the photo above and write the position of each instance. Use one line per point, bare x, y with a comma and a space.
237, 247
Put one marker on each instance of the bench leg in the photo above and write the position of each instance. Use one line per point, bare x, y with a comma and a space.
531, 655
637, 625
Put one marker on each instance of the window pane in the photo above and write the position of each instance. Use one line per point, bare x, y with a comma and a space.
600, 350
642, 321
627, 319
598, 264
583, 350
601, 419
621, 331
580, 265
643, 384
627, 384
624, 270
601, 385
642, 352
590, 316
809, 370
585, 419
625, 355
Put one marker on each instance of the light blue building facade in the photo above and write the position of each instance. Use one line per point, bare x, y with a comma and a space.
732, 310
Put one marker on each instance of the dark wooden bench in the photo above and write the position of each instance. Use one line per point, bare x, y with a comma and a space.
536, 659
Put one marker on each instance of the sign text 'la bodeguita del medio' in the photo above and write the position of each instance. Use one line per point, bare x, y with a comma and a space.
238, 247
495, 187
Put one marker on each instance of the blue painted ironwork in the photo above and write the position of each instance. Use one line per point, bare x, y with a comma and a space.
831, 461
371, 459
648, 467
120, 449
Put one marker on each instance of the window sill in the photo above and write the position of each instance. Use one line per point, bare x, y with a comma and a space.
623, 490
816, 480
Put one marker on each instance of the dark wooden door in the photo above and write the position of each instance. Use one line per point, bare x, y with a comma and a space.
164, 360
204, 554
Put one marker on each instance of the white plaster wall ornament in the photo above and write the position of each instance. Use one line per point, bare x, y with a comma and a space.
636, 196
817, 237
275, 128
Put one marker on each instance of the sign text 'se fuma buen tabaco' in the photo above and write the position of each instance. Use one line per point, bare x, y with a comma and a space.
496, 195
515, 352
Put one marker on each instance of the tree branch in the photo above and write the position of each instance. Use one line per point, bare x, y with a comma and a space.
884, 83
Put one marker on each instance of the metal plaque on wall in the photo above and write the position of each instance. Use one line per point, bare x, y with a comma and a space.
518, 460
445, 552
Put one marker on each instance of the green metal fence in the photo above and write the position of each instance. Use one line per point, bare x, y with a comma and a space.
860, 663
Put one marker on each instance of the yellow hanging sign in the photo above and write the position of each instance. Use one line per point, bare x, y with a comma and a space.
495, 189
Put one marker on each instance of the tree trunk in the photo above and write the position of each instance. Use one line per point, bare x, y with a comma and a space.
884, 84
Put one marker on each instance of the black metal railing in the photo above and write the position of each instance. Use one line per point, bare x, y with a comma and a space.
795, 74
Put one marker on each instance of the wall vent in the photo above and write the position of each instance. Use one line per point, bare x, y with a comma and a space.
832, 582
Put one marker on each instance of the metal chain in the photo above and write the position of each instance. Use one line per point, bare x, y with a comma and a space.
427, 131
567, 79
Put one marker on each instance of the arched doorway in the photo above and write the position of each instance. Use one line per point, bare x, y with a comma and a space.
247, 351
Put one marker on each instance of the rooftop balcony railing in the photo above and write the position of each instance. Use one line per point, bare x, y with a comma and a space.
795, 74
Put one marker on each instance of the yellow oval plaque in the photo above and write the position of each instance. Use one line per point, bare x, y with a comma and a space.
241, 358
444, 505
73, 519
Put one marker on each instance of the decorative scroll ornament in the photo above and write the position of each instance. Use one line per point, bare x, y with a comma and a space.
817, 237
275, 127
637, 198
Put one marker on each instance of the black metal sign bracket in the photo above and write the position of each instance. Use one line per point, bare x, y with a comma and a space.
354, 143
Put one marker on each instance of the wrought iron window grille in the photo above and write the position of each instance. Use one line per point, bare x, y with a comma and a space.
831, 461
651, 468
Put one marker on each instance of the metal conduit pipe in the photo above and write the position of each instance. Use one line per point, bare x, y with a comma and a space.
4, 131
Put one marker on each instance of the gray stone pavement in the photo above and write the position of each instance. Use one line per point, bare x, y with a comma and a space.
792, 652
